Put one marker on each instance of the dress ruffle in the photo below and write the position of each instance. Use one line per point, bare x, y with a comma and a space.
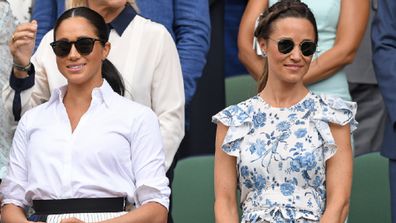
333, 110
238, 119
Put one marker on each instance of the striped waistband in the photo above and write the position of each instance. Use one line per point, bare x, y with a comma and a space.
85, 217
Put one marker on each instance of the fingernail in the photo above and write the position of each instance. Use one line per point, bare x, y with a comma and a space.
34, 22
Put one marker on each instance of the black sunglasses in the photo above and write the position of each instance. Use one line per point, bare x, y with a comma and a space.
83, 45
286, 45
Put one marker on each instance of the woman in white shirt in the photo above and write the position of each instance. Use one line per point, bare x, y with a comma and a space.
87, 152
143, 51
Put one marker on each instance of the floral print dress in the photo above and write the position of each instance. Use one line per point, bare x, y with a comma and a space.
281, 155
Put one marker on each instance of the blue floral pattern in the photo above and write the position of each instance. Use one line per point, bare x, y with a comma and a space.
281, 155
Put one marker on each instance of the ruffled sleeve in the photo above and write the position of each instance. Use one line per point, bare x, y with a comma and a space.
237, 118
333, 110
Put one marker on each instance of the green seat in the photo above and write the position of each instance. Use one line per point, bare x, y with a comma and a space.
239, 88
193, 190
370, 199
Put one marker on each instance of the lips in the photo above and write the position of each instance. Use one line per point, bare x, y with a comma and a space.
75, 67
293, 66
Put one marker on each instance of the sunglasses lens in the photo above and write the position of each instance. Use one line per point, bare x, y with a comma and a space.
84, 45
285, 46
308, 48
61, 48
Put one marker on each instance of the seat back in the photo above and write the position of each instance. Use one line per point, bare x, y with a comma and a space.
193, 190
370, 199
239, 88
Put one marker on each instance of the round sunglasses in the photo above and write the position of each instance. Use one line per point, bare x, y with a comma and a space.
83, 45
286, 45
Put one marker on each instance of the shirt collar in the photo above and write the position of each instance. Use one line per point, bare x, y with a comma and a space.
57, 95
103, 93
121, 22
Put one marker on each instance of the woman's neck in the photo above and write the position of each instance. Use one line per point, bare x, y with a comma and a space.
77, 101
80, 94
283, 95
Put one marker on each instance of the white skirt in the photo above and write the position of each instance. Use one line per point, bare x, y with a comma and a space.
85, 217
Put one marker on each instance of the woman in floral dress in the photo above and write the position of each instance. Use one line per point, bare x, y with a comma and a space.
287, 149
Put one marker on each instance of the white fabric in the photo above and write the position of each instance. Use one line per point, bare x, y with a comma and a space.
85, 217
21, 9
115, 151
147, 59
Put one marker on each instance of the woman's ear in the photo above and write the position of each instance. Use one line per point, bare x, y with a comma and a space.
263, 46
106, 50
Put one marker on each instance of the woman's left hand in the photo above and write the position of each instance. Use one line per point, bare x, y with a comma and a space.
71, 220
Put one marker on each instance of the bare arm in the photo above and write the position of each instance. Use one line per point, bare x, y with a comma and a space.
13, 214
353, 20
225, 181
338, 169
148, 213
248, 57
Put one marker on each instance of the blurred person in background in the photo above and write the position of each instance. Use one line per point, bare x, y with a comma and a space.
383, 36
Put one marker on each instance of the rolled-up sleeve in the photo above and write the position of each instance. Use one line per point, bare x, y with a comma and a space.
148, 162
13, 185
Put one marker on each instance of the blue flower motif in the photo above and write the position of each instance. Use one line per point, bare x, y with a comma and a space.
295, 165
235, 111
259, 182
244, 171
284, 136
299, 145
232, 146
283, 126
259, 119
242, 116
248, 184
317, 182
309, 104
308, 161
258, 147
300, 133
287, 189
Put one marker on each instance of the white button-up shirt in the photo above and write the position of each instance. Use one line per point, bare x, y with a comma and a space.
146, 57
116, 150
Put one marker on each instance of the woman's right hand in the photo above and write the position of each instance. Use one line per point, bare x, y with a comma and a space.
22, 44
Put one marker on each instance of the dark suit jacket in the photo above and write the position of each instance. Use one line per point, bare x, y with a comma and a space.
383, 34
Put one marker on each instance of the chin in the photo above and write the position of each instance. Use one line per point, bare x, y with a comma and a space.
295, 78
73, 79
